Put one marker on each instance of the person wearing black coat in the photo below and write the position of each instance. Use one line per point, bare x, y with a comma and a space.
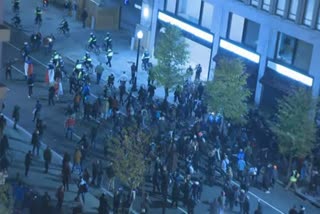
103, 205
175, 194
27, 162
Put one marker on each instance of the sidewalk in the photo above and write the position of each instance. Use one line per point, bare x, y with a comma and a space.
19, 142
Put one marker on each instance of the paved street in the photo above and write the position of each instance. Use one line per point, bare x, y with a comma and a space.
72, 48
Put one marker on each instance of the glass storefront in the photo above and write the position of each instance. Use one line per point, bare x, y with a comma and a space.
199, 54
199, 48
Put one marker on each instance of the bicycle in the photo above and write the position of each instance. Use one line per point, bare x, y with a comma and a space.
93, 48
65, 32
16, 23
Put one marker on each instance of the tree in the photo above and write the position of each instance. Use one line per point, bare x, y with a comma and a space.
228, 92
172, 55
295, 126
130, 156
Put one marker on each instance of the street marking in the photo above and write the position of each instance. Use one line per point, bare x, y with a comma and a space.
18, 49
257, 197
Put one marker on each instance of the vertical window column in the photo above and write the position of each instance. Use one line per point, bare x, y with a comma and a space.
293, 9
315, 15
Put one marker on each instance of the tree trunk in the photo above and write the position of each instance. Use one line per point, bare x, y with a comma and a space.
166, 93
289, 166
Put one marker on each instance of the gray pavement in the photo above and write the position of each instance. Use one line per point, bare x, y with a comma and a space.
72, 48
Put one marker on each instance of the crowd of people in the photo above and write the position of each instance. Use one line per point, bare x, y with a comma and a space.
190, 146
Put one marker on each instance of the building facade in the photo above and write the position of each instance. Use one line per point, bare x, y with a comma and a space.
279, 40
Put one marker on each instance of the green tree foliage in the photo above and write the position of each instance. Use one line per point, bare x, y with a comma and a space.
228, 92
295, 127
129, 156
172, 55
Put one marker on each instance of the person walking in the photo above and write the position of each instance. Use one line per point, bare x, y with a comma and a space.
82, 190
175, 194
66, 174
52, 92
99, 71
95, 166
103, 205
69, 126
99, 173
16, 116
30, 83
133, 73
35, 141
109, 57
198, 72
8, 67
60, 197
77, 160
293, 179
47, 156
84, 16
27, 162
36, 111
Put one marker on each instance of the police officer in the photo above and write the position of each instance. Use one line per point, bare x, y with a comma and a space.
145, 60
87, 60
38, 13
109, 57
25, 50
92, 40
108, 42
77, 67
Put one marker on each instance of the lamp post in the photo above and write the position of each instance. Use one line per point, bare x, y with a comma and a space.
139, 36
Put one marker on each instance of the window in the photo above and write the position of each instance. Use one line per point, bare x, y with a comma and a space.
243, 31
254, 3
293, 9
171, 5
303, 55
307, 18
280, 7
251, 34
189, 9
236, 28
266, 5
294, 52
207, 15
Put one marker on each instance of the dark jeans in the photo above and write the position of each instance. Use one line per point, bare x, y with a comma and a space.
51, 101
46, 166
30, 90
27, 167
35, 147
